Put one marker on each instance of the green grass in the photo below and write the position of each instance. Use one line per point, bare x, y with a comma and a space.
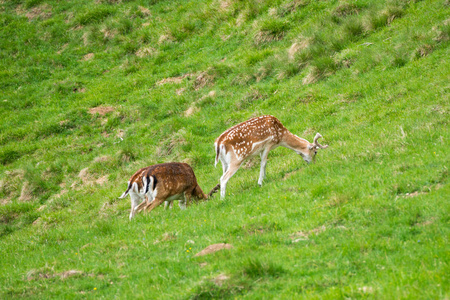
370, 219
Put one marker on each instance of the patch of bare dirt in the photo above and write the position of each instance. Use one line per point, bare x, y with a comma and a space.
102, 180
145, 11
101, 110
167, 236
175, 80
289, 174
304, 235
190, 111
426, 223
202, 80
43, 12
180, 91
220, 279
214, 248
88, 56
165, 38
38, 221
85, 176
225, 4
108, 33
103, 158
63, 48
36, 274
26, 192
146, 51
415, 194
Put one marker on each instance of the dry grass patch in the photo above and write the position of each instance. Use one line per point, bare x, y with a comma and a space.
203, 79
304, 235
26, 192
43, 12
262, 37
169, 145
220, 279
101, 110
101, 159
191, 110
214, 248
47, 274
166, 38
175, 80
88, 56
145, 11
298, 46
146, 51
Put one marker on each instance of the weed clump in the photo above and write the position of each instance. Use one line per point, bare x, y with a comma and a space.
254, 268
94, 15
271, 30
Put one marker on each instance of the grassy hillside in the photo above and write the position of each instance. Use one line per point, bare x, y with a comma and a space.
93, 90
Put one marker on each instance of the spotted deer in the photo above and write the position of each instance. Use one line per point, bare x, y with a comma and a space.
258, 136
160, 183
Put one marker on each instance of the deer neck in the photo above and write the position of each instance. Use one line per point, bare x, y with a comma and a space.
293, 142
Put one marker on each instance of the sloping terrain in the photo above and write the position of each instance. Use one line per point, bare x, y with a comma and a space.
91, 91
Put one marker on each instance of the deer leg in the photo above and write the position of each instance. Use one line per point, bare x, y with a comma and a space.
134, 203
168, 204
156, 202
185, 201
262, 172
141, 206
225, 165
226, 176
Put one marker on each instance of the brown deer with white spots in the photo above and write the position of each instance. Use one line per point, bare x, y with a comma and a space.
258, 136
160, 183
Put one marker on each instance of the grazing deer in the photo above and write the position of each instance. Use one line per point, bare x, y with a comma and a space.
258, 136
160, 183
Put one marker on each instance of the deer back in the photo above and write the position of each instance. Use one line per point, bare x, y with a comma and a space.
244, 138
172, 178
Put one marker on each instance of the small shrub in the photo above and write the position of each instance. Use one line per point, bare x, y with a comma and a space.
125, 26
353, 29
324, 66
271, 30
249, 98
126, 154
210, 290
8, 156
399, 60
443, 32
94, 15
422, 51
344, 10
255, 57
384, 18
32, 3
254, 268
